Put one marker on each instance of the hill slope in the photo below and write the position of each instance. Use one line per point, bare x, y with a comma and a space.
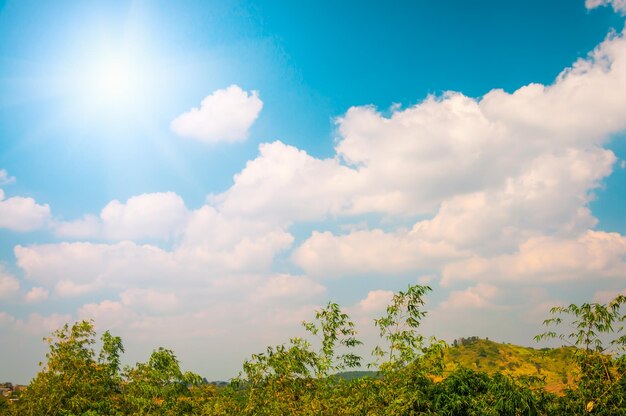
554, 365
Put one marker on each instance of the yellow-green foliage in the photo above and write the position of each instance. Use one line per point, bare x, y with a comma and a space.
555, 365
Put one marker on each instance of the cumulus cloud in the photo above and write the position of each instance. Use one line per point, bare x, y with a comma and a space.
550, 196
594, 254
225, 115
362, 252
22, 214
283, 181
36, 294
284, 287
618, 5
9, 285
444, 147
479, 296
160, 215
38, 324
498, 174
5, 179
495, 181
88, 226
213, 247
108, 314
149, 299
76, 268
375, 301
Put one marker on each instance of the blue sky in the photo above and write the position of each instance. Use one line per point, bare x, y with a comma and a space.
202, 176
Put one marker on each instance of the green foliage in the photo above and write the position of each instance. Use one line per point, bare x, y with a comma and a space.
289, 379
399, 328
597, 332
158, 386
467, 393
73, 381
335, 330
297, 379
4, 405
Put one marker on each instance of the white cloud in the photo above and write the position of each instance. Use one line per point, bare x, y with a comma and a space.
618, 5
37, 324
376, 301
214, 247
213, 230
160, 215
479, 296
284, 184
443, 148
87, 227
594, 254
497, 173
22, 214
150, 299
19, 213
109, 314
284, 287
225, 115
76, 268
9, 285
550, 196
375, 251
5, 179
156, 215
36, 294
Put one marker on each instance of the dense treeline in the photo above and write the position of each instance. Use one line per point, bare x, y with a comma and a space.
297, 379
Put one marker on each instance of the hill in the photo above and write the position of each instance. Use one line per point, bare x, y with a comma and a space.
551, 364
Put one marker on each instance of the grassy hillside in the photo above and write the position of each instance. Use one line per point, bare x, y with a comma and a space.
491, 357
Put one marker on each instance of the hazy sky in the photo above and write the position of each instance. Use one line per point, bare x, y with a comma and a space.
203, 175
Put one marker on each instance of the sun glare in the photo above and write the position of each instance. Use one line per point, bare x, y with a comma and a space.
113, 84
111, 87
115, 81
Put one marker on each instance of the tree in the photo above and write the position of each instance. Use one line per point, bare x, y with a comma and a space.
399, 328
597, 332
335, 330
275, 381
408, 359
159, 387
73, 381
293, 378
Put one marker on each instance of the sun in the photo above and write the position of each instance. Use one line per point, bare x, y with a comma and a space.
114, 83
112, 80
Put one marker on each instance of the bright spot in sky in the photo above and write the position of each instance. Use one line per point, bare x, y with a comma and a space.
113, 84
115, 81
